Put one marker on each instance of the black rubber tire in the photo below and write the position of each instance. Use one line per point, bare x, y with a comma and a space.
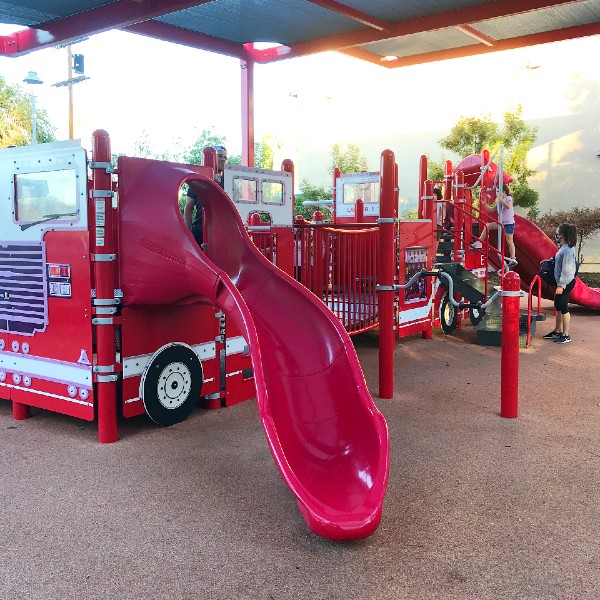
448, 315
476, 315
171, 384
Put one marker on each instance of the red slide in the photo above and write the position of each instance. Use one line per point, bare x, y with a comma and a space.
532, 246
326, 435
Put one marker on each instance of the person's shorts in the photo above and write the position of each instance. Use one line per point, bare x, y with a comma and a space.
561, 301
509, 228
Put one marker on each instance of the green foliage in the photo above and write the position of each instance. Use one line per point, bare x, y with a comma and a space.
349, 160
586, 220
471, 135
263, 153
435, 170
15, 118
193, 155
311, 193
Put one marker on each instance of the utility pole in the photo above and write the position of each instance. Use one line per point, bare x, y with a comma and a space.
70, 80
74, 66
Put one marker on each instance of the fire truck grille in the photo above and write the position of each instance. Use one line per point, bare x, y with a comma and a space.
23, 306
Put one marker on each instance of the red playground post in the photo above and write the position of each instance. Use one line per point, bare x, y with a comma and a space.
509, 378
388, 218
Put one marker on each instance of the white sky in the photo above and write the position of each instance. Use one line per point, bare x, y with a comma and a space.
173, 92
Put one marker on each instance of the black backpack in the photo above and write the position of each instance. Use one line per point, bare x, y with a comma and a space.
547, 271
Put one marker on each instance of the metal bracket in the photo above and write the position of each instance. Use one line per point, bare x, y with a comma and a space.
103, 257
106, 310
102, 193
104, 369
385, 288
387, 220
102, 165
512, 294
106, 301
106, 378
103, 321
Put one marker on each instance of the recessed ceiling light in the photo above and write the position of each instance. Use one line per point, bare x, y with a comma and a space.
388, 58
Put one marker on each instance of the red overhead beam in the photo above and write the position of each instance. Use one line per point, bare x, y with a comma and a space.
353, 14
185, 37
558, 35
454, 18
114, 15
477, 35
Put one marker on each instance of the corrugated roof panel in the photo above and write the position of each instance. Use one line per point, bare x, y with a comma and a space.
419, 43
538, 21
284, 21
392, 10
31, 13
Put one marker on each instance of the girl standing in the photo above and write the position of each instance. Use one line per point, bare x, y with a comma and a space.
564, 272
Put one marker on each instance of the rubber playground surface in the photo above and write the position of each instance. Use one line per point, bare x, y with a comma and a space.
477, 507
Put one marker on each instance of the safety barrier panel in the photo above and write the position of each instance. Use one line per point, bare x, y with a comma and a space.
339, 265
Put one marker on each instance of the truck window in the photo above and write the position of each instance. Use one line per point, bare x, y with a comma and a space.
42, 195
367, 192
244, 190
272, 192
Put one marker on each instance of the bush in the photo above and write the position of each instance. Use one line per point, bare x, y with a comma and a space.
586, 220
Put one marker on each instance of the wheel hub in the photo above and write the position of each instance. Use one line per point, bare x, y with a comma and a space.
174, 385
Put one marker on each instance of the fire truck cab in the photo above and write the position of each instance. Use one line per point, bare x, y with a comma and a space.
69, 347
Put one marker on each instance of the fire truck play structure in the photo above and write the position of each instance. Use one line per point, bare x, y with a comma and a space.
108, 305
108, 308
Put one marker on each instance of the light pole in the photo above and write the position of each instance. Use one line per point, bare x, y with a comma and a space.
33, 79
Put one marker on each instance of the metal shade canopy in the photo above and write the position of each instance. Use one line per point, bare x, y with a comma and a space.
388, 33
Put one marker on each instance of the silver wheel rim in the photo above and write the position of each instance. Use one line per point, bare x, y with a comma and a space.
174, 385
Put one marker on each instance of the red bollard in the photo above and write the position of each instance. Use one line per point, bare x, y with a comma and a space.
509, 371
317, 217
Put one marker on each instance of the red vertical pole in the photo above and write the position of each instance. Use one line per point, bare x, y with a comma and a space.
247, 69
209, 158
422, 178
359, 211
287, 166
336, 175
459, 217
103, 245
427, 198
388, 212
509, 378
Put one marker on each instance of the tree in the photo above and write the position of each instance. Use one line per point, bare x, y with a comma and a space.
15, 118
311, 193
586, 220
470, 135
348, 161
206, 138
263, 153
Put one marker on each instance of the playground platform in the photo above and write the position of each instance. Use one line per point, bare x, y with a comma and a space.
478, 507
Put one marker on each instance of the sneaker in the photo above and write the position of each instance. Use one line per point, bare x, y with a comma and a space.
563, 339
476, 245
511, 262
552, 335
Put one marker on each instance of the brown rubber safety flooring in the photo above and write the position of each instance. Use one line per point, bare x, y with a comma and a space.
478, 507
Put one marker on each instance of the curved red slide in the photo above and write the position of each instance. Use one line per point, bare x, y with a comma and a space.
532, 246
326, 435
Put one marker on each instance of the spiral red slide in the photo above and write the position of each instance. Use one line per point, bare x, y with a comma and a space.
532, 246
325, 433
